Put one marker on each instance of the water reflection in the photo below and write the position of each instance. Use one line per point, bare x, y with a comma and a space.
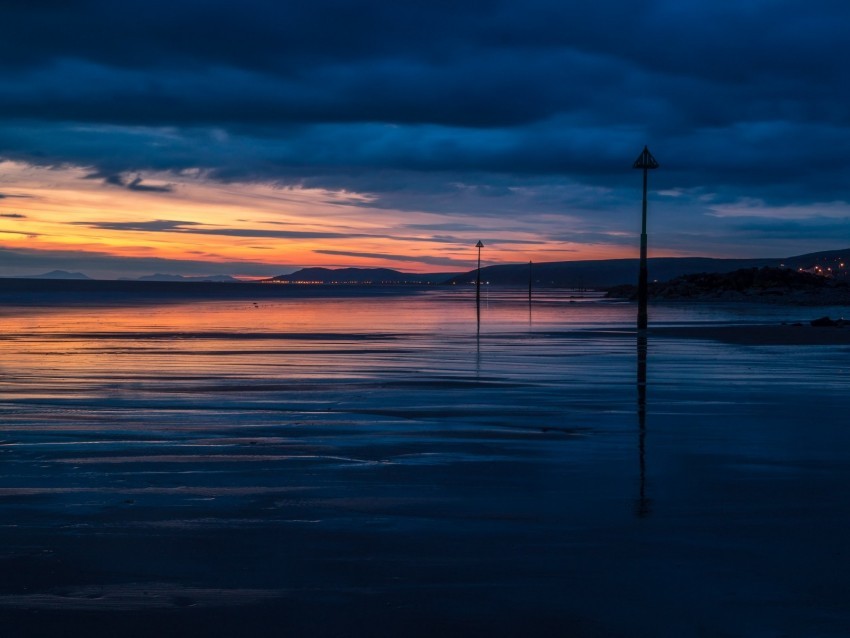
305, 424
478, 350
642, 507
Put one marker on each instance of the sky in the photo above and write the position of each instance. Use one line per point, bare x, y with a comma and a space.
257, 137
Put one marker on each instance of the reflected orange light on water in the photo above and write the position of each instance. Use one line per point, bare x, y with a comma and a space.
350, 314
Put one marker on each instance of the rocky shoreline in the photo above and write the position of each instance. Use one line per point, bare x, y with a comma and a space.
759, 285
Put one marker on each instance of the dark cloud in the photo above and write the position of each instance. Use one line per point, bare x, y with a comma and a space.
652, 65
797, 229
155, 226
114, 180
175, 226
195, 228
13, 215
492, 110
135, 184
490, 63
448, 226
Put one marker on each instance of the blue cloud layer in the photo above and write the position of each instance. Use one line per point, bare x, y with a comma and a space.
475, 108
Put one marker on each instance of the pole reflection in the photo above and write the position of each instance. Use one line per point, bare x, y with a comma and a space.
478, 339
642, 507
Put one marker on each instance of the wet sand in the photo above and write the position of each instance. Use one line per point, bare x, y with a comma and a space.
384, 469
767, 334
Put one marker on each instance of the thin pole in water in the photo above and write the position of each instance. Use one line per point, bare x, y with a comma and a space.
646, 162
479, 246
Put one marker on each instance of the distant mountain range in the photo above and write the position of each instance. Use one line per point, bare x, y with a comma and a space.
596, 274
606, 273
58, 274
603, 273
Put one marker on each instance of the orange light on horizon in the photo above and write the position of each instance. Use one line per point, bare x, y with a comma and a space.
61, 210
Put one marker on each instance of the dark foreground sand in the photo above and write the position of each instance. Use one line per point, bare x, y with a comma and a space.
389, 471
760, 335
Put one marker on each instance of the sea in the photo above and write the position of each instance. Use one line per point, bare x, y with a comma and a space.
362, 462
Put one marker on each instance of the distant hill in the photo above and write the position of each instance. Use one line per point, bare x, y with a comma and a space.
215, 278
606, 273
776, 285
828, 259
594, 274
58, 274
375, 276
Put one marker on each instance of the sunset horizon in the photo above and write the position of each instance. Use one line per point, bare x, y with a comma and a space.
144, 223
371, 135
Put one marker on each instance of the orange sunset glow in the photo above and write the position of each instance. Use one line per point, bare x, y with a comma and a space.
245, 227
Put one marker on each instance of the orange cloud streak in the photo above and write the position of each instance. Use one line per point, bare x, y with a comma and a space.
60, 210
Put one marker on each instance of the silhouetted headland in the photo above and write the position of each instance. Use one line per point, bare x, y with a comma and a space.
763, 285
365, 276
606, 273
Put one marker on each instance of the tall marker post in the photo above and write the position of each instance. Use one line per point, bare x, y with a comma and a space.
479, 246
647, 162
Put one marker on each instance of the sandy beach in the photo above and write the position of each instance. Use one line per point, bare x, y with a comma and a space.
340, 467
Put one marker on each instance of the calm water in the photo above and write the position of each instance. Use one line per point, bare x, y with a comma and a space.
380, 467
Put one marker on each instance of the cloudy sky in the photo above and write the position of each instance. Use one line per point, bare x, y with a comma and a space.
256, 137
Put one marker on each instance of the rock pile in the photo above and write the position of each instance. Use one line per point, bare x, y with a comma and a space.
771, 285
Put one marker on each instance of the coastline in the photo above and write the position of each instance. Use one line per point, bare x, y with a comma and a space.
28, 293
53, 292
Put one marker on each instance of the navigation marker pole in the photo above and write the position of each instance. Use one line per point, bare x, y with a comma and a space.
479, 246
647, 162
